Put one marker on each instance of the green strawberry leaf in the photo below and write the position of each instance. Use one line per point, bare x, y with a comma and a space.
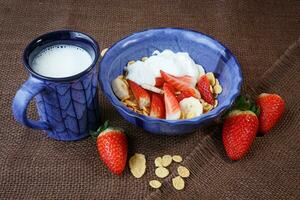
244, 103
95, 134
255, 109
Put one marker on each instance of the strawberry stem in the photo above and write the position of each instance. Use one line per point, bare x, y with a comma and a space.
95, 134
244, 103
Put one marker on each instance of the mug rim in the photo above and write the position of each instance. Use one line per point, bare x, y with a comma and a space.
92, 42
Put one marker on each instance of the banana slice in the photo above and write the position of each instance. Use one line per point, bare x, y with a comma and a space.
152, 88
191, 107
120, 88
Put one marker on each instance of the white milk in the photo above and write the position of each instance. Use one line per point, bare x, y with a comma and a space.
59, 61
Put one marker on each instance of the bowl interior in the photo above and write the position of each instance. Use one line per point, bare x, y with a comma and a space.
213, 56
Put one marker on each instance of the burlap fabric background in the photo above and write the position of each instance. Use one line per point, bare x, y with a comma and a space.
36, 167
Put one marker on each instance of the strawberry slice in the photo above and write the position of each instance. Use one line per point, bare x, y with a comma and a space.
171, 104
175, 82
185, 94
159, 82
179, 84
157, 108
140, 94
204, 89
188, 80
171, 88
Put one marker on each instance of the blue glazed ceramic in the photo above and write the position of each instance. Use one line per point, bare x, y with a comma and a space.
208, 52
67, 107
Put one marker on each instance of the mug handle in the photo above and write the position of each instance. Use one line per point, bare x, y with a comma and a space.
22, 98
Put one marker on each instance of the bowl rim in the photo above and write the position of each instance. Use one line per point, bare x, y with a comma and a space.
196, 120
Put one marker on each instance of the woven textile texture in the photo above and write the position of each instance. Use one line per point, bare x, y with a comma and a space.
259, 33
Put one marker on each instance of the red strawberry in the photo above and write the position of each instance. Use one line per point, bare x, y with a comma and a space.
140, 94
204, 89
179, 84
239, 131
174, 81
157, 108
188, 80
272, 107
171, 104
159, 82
185, 94
112, 147
171, 88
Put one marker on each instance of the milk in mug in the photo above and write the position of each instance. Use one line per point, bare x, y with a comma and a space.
61, 60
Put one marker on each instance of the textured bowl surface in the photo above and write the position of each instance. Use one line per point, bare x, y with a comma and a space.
204, 50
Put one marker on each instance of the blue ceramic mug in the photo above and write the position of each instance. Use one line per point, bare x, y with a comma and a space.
67, 106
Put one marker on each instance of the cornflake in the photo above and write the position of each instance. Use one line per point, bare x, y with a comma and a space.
177, 158
155, 184
207, 107
178, 183
211, 78
183, 171
130, 62
137, 165
166, 160
211, 89
216, 103
217, 89
130, 103
144, 58
161, 172
158, 162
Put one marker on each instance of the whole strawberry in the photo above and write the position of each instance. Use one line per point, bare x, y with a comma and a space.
272, 107
239, 132
112, 147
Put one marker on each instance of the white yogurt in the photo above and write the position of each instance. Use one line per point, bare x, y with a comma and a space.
176, 64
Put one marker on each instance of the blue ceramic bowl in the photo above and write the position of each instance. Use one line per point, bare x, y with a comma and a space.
204, 50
